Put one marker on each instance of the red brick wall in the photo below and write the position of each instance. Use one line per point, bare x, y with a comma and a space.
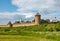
17, 25
27, 24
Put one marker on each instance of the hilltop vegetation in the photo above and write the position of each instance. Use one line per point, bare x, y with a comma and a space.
36, 28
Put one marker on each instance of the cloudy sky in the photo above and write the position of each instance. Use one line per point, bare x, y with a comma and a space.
13, 10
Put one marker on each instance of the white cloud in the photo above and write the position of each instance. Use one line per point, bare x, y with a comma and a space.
9, 15
13, 16
35, 4
25, 6
28, 4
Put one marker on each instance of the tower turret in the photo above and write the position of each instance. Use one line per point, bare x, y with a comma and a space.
9, 24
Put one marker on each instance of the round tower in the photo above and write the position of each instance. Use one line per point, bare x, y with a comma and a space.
37, 18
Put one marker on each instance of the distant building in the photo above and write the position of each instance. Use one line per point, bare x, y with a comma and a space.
9, 24
54, 20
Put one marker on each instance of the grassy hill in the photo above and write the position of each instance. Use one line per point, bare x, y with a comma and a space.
26, 29
41, 32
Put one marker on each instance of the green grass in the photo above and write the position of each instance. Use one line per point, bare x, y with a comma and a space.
42, 32
17, 38
39, 36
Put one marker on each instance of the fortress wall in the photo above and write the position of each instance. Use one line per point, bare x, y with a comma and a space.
37, 21
26, 24
17, 25
4, 25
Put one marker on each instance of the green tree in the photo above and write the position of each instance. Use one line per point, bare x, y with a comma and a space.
45, 21
48, 20
33, 20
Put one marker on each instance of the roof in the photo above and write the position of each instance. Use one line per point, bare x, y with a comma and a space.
9, 22
37, 13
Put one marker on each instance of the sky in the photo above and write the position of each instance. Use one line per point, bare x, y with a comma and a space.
13, 10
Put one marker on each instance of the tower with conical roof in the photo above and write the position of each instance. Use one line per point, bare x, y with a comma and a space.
37, 18
9, 24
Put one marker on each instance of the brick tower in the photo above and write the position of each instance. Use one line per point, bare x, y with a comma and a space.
37, 18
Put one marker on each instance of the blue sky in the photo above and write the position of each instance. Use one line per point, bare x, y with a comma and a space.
6, 6
13, 10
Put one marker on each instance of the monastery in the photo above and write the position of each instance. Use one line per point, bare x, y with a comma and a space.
37, 18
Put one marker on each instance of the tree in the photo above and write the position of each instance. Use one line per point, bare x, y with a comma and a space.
45, 21
33, 20
48, 20
16, 22
28, 21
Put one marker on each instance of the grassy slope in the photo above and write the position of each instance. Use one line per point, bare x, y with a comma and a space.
31, 33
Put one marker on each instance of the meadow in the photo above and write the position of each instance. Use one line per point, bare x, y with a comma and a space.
40, 32
42, 36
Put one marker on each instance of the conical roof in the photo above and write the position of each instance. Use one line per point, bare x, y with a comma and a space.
37, 13
9, 22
